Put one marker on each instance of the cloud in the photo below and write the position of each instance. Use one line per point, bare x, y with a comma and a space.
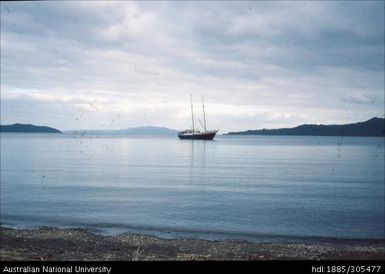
258, 64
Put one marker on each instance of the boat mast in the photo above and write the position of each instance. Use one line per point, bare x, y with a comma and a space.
204, 114
192, 115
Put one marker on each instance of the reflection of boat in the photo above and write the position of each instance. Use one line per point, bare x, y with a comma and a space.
197, 134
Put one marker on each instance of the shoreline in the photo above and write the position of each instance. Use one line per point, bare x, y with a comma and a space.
210, 236
52, 244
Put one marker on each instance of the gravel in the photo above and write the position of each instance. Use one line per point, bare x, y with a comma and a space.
49, 244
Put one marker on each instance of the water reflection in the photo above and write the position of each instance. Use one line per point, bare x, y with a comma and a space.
197, 156
199, 186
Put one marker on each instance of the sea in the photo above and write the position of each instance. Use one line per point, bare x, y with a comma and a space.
254, 188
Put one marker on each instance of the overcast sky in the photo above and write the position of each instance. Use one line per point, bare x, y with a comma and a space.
110, 65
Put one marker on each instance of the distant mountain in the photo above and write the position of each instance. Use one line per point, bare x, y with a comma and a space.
27, 128
149, 130
372, 127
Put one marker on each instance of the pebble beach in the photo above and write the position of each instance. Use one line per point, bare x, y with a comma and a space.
49, 244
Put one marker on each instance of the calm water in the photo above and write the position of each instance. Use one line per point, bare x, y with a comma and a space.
238, 187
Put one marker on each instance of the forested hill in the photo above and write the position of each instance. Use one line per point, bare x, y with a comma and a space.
27, 128
372, 127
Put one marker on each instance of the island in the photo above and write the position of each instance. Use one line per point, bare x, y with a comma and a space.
373, 127
28, 128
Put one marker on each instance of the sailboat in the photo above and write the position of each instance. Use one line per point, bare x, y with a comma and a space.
194, 134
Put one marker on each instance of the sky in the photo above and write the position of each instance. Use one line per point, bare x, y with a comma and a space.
112, 65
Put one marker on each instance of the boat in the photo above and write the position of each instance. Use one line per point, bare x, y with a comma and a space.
194, 134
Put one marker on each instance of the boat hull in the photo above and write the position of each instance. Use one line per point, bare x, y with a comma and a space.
198, 136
